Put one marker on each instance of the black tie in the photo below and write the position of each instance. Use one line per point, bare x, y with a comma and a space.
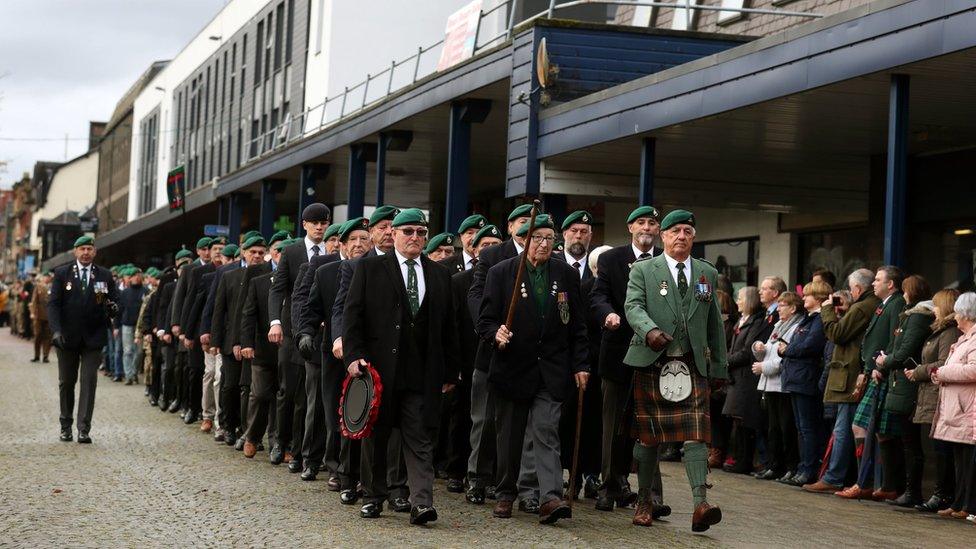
644, 255
682, 280
315, 250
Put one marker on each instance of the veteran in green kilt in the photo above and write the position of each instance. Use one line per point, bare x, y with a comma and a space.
678, 344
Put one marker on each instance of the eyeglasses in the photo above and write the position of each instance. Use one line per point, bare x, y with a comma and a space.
540, 239
409, 231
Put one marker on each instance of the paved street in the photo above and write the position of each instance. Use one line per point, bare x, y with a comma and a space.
149, 480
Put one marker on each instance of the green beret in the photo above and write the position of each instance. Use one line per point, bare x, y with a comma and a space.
252, 242
410, 216
218, 241
676, 217
84, 241
643, 211
476, 221
152, 271
559, 247
249, 234
114, 269
383, 213
542, 221
443, 239
354, 224
204, 242
487, 230
579, 216
525, 210
278, 237
229, 250
282, 244
134, 271
183, 253
333, 230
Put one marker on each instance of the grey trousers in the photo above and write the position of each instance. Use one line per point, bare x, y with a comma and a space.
264, 385
481, 462
618, 446
539, 420
70, 361
417, 452
316, 433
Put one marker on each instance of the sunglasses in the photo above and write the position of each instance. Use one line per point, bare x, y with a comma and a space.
409, 231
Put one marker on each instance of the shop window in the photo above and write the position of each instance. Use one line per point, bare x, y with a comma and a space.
738, 260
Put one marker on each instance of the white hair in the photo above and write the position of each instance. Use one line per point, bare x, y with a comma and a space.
594, 255
861, 278
966, 306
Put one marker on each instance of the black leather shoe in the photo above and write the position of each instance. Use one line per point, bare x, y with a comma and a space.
295, 465
400, 505
174, 407
475, 495
422, 514
333, 484
935, 503
626, 499
66, 435
490, 492
276, 456
786, 477
36, 359
591, 487
530, 506
905, 500
153, 401
239, 444
348, 496
371, 510
798, 480
190, 417
768, 474
604, 503
162, 404
660, 510
83, 438
455, 485
671, 453
309, 473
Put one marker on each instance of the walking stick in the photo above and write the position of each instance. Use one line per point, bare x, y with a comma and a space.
518, 274
576, 444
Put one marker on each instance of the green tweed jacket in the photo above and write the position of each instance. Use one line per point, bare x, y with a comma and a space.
647, 309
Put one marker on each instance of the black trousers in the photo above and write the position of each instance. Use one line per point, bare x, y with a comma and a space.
417, 452
155, 382
264, 386
167, 383
70, 362
782, 450
458, 430
194, 378
721, 424
333, 374
316, 434
289, 406
350, 459
230, 394
965, 497
245, 392
179, 374
911, 434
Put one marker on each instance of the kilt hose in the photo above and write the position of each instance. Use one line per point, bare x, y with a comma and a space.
658, 420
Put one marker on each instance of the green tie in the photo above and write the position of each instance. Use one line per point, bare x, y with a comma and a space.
84, 279
682, 280
413, 295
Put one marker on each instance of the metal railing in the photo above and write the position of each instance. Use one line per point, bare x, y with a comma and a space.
356, 98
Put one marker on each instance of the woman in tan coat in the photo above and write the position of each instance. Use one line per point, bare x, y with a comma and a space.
935, 351
956, 411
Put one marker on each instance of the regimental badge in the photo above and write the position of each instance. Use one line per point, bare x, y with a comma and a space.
664, 288
67, 287
703, 291
562, 303
525, 293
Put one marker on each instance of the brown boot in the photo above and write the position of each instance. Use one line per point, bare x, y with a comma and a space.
714, 458
250, 449
207, 425
706, 516
503, 509
288, 457
644, 515
553, 510
821, 487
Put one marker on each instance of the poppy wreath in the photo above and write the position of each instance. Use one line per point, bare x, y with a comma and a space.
374, 405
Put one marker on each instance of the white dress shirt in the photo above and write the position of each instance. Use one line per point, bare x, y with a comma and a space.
308, 247
468, 259
572, 262
673, 267
419, 268
518, 248
638, 252
379, 251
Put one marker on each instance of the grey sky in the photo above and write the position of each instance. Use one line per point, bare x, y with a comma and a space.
65, 62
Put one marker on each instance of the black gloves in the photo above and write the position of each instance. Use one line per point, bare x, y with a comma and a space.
57, 340
306, 346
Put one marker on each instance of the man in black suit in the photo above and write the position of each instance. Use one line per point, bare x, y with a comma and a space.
539, 360
481, 464
168, 390
193, 302
577, 231
80, 308
459, 410
315, 220
398, 318
263, 354
607, 305
181, 371
325, 373
463, 260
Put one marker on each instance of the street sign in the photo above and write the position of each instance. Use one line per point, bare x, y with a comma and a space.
176, 188
216, 230
460, 35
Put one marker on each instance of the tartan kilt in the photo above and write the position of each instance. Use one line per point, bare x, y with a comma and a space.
658, 420
888, 423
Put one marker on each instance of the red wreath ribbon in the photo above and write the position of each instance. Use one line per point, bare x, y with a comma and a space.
374, 406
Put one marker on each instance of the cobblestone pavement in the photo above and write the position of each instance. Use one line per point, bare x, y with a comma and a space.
149, 480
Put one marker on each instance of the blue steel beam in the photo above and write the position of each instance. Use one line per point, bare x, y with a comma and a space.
269, 188
645, 194
307, 182
381, 147
234, 212
357, 179
896, 187
463, 114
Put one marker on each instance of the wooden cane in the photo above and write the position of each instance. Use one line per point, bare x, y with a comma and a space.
576, 444
518, 274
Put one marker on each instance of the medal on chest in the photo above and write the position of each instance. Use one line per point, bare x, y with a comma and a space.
525, 292
562, 303
664, 288
703, 290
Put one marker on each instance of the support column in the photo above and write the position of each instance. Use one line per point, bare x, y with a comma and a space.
269, 189
221, 211
356, 197
896, 187
381, 147
645, 194
310, 176
235, 207
555, 205
463, 114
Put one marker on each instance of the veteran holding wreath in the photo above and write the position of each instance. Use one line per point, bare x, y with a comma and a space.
678, 344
